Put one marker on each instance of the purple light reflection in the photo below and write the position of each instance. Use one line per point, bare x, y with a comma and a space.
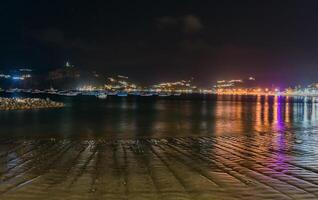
280, 156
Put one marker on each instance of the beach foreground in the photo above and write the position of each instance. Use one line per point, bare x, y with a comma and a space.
225, 167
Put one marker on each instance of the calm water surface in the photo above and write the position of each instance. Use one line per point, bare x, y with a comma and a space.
89, 117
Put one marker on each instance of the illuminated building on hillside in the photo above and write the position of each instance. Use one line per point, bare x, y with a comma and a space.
66, 72
183, 86
236, 84
21, 74
4, 75
241, 87
65, 77
18, 74
120, 83
17, 78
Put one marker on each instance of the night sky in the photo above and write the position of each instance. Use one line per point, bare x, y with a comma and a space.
150, 41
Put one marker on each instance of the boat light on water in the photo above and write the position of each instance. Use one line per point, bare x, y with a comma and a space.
146, 94
164, 95
68, 93
112, 93
122, 94
102, 96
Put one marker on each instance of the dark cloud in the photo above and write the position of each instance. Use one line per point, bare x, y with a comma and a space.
56, 37
187, 23
192, 23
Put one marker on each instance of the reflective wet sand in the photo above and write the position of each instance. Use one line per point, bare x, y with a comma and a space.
262, 167
229, 148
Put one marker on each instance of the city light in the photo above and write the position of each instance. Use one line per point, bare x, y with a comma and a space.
122, 84
17, 78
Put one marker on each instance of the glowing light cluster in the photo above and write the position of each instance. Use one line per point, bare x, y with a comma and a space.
249, 91
5, 76
87, 88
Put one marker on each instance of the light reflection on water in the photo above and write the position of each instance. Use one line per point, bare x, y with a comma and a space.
165, 117
264, 147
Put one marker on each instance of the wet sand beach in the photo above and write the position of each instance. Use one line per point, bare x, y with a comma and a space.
172, 168
254, 148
